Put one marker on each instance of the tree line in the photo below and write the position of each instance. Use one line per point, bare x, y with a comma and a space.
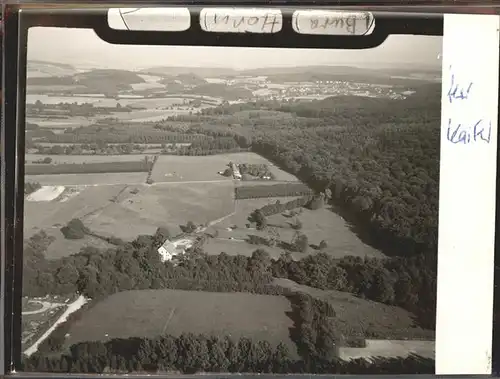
88, 168
278, 207
217, 145
192, 353
272, 190
137, 265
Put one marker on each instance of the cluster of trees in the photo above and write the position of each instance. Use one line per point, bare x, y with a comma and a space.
137, 265
273, 190
217, 145
222, 90
89, 168
406, 282
191, 353
100, 134
90, 149
149, 179
314, 333
256, 170
398, 281
64, 109
74, 230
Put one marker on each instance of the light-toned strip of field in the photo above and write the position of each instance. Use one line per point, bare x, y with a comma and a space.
389, 348
46, 193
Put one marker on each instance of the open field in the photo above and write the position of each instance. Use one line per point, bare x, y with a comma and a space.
318, 225
389, 348
356, 317
177, 168
89, 179
151, 313
215, 246
54, 214
125, 212
168, 205
62, 247
324, 224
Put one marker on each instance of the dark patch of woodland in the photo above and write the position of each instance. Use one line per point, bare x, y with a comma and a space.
272, 190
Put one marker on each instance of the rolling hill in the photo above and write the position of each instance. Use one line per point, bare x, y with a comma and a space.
95, 81
38, 69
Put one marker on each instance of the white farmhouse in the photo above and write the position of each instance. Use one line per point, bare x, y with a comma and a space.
167, 251
236, 171
171, 249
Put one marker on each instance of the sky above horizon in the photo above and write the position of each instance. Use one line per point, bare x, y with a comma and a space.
83, 48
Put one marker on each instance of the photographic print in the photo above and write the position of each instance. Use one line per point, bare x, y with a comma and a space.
230, 210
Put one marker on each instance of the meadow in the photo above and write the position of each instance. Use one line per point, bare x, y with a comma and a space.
150, 313
186, 168
126, 211
317, 225
167, 205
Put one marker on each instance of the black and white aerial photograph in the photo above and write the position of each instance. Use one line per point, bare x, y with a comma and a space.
230, 210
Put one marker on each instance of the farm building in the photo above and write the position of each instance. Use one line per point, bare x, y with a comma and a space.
171, 249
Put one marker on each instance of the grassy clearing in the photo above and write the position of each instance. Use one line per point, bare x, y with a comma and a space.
324, 224
151, 313
215, 246
125, 212
357, 317
318, 225
53, 215
167, 205
185, 168
63, 247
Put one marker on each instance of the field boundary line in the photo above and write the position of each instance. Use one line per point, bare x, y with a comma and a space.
168, 321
